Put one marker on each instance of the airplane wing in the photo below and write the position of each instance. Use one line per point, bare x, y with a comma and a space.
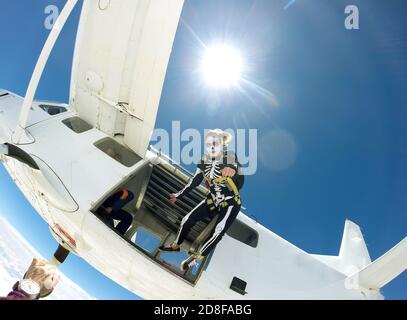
379, 273
120, 61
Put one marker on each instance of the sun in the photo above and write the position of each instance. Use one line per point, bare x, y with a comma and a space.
222, 66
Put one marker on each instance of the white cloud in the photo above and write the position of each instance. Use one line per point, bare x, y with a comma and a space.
16, 255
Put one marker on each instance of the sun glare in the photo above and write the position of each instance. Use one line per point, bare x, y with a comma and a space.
221, 66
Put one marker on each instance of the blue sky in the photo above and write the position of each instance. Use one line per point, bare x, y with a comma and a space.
341, 107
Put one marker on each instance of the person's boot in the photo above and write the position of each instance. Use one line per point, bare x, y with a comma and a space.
169, 248
191, 262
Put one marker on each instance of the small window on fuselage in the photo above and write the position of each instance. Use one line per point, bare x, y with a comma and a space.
52, 110
243, 233
77, 125
118, 152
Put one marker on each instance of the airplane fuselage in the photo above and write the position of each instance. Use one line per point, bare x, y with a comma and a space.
75, 176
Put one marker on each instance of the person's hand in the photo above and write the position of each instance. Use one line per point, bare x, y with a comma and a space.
228, 172
173, 198
109, 210
124, 195
43, 273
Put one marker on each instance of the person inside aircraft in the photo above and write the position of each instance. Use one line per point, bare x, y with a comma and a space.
222, 173
111, 210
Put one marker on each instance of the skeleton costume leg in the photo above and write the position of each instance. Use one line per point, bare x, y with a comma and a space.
200, 212
227, 215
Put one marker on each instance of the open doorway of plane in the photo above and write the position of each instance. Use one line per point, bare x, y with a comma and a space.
156, 221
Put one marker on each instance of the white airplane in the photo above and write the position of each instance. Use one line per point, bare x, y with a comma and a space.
58, 156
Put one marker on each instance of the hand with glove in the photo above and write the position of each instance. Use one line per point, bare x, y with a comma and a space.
43, 273
39, 281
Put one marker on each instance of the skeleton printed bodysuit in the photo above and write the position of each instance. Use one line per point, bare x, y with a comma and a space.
223, 199
210, 170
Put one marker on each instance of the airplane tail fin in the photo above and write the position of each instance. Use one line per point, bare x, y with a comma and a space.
353, 254
354, 260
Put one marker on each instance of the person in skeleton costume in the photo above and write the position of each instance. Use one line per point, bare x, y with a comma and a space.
221, 170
